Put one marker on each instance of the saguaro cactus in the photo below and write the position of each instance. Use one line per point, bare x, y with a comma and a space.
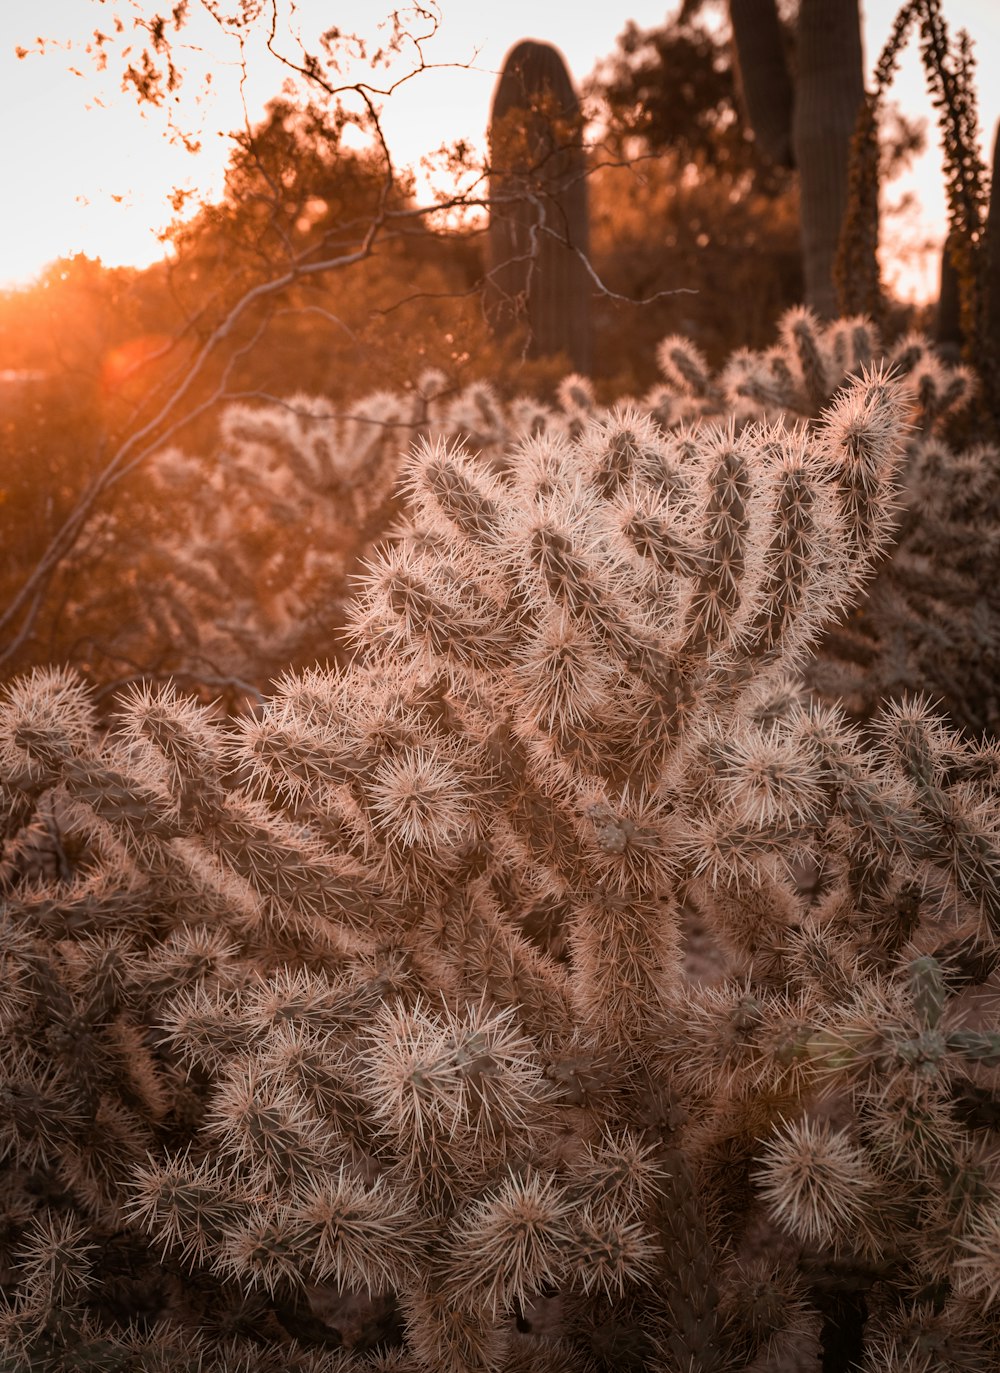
765, 81
947, 312
538, 237
829, 93
816, 123
990, 363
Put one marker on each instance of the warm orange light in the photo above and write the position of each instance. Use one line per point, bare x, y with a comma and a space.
84, 170
131, 361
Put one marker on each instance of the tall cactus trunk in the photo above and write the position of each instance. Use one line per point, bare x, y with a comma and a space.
990, 364
539, 232
765, 81
811, 125
947, 312
829, 93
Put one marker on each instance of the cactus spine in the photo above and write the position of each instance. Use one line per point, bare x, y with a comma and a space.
367, 1019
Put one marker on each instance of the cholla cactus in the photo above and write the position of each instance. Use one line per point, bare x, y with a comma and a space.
365, 1020
802, 373
240, 563
929, 623
236, 562
296, 494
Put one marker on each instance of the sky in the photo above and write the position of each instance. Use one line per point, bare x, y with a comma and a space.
85, 170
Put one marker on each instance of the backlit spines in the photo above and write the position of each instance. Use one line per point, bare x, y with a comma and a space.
278, 518
357, 1236
804, 371
47, 719
818, 1184
799, 552
626, 960
184, 1207
510, 1245
801, 333
684, 364
392, 990
451, 491
862, 435
718, 594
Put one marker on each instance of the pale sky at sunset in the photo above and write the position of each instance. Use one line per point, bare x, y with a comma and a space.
84, 171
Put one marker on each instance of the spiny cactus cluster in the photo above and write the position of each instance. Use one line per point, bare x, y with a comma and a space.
238, 561
803, 371
239, 557
362, 1031
242, 564
930, 621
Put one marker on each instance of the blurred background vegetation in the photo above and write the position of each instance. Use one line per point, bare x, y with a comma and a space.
92, 358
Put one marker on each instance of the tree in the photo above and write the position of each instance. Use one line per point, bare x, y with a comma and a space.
674, 89
105, 348
296, 194
680, 195
315, 266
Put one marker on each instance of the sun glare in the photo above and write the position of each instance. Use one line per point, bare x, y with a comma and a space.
87, 172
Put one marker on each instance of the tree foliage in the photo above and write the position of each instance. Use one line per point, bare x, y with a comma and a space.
681, 198
673, 89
